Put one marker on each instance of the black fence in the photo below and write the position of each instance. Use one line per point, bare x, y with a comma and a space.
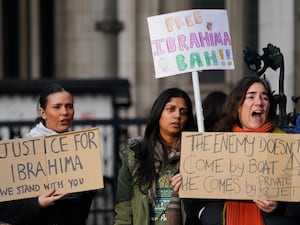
114, 133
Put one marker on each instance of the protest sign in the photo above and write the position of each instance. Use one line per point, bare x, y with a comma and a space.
69, 162
240, 166
190, 40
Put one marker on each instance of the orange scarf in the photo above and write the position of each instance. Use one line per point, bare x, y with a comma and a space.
245, 213
267, 127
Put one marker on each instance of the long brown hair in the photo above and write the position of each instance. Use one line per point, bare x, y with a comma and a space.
229, 115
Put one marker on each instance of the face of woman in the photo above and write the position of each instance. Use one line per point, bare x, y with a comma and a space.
255, 109
173, 117
59, 111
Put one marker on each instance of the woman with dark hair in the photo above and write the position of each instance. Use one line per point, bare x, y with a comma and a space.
250, 107
144, 193
55, 118
56, 112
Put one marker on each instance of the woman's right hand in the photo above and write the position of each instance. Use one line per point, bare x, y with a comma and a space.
176, 182
266, 205
49, 198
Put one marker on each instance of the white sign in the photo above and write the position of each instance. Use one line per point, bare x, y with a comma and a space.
190, 40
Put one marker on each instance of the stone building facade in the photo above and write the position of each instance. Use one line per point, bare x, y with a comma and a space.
90, 39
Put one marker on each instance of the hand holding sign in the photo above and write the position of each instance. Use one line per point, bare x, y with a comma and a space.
68, 162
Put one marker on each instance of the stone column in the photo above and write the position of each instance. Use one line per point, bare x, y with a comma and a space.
297, 54
1, 46
236, 20
276, 26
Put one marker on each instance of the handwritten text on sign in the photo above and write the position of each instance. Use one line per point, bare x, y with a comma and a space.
68, 162
190, 40
240, 166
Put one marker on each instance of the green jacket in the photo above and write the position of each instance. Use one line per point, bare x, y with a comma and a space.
132, 206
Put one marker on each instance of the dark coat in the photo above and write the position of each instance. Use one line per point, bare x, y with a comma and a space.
73, 209
287, 213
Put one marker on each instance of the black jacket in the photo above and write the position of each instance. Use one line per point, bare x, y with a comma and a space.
73, 209
287, 213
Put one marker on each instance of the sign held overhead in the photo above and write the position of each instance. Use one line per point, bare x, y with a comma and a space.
190, 40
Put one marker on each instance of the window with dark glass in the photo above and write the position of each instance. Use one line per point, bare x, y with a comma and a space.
10, 38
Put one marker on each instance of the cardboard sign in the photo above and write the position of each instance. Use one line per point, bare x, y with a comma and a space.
190, 40
240, 166
69, 162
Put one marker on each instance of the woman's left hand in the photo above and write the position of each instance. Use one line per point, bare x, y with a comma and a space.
176, 182
266, 205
